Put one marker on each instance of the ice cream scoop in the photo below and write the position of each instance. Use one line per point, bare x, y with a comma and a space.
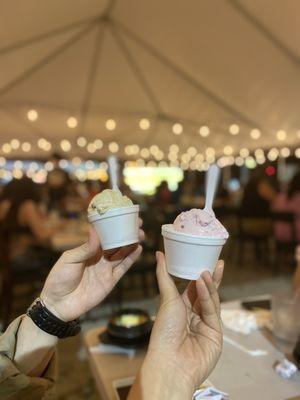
200, 223
107, 200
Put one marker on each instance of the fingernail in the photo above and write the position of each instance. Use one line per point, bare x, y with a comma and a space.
206, 274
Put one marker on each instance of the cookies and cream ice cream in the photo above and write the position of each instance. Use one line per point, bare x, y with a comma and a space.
200, 223
107, 200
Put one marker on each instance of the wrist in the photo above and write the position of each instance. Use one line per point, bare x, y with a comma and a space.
52, 307
37, 333
161, 379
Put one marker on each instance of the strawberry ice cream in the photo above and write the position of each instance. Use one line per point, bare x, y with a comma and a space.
200, 223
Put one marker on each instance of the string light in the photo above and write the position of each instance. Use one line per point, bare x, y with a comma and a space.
199, 158
63, 163
110, 124
297, 152
15, 144
26, 146
65, 145
163, 164
91, 148
18, 164
261, 160
298, 134
192, 151
250, 162
228, 150
255, 134
140, 162
33, 166
49, 166
81, 141
72, 122
154, 149
17, 174
151, 164
281, 135
135, 149
273, 154
234, 129
128, 150
244, 152
98, 143
6, 148
239, 161
259, 153
177, 128
185, 158
174, 148
32, 115
113, 147
144, 124
76, 161
172, 156
285, 152
210, 151
2, 161
145, 153
204, 131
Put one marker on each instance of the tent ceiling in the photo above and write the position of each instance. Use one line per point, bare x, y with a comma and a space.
206, 62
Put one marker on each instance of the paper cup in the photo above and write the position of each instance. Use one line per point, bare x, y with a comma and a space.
117, 227
187, 256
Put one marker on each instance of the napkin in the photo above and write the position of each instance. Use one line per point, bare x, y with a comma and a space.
243, 321
210, 393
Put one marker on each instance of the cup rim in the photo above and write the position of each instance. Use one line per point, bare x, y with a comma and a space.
95, 216
169, 232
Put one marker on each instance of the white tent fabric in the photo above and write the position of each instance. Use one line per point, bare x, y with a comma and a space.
207, 62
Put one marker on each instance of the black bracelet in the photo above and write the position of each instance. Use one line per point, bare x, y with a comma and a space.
49, 323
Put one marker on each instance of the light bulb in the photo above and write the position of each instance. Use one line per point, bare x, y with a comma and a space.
32, 115
204, 131
72, 122
234, 129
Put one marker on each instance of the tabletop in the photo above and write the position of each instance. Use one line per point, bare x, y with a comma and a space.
239, 374
69, 233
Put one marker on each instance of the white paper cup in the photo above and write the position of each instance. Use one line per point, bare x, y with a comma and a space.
117, 227
187, 256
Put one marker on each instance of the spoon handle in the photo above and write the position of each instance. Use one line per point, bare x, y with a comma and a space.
212, 179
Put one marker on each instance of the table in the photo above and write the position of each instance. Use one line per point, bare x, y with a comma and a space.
69, 234
239, 374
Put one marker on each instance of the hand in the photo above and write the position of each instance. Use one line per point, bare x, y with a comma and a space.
84, 276
187, 334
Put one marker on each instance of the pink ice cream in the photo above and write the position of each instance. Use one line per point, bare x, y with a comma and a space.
200, 223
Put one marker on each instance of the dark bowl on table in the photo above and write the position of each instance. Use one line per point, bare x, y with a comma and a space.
130, 326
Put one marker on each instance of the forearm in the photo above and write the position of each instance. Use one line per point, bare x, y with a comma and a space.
157, 381
34, 348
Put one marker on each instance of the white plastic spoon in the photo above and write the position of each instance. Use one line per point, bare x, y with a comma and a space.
113, 168
212, 180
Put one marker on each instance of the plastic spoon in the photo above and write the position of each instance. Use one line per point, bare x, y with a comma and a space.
212, 179
113, 168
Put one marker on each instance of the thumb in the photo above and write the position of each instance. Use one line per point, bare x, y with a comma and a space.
167, 287
85, 251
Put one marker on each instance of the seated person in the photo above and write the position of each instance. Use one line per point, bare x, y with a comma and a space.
288, 201
186, 336
23, 225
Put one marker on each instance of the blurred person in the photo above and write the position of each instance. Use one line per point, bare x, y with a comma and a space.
58, 184
288, 201
259, 194
296, 280
188, 345
23, 225
163, 196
